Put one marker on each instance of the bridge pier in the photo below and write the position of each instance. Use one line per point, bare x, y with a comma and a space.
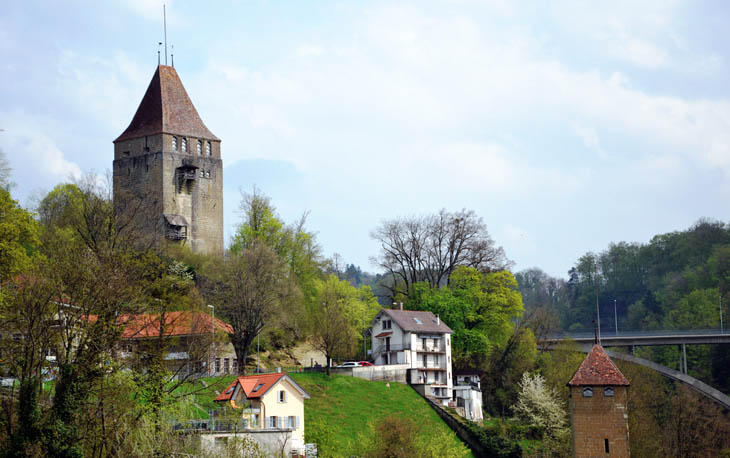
684, 353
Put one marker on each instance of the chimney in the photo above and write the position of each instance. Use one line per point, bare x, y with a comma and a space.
438, 320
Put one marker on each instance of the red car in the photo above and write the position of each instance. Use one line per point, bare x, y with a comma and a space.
366, 363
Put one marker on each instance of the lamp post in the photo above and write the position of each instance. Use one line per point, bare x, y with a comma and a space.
212, 339
615, 316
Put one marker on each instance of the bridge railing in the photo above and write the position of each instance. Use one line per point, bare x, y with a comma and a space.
653, 333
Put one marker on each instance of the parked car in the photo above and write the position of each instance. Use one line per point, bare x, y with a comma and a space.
349, 364
366, 363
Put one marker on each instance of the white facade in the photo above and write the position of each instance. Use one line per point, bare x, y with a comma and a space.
419, 342
468, 395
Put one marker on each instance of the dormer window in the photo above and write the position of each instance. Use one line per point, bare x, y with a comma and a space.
608, 391
200, 147
174, 143
207, 148
185, 145
588, 392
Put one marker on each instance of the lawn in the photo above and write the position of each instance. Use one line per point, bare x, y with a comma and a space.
344, 408
341, 409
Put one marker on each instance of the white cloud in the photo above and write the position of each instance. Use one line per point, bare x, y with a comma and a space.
33, 155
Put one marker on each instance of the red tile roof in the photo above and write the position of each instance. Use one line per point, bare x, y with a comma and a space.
598, 369
249, 383
166, 108
175, 324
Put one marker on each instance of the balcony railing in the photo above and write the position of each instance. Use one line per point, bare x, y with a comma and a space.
430, 348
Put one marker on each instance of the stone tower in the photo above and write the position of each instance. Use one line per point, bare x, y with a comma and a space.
168, 173
598, 408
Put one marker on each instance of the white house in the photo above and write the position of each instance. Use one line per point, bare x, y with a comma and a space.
468, 394
421, 343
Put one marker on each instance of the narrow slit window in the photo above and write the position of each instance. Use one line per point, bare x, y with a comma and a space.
174, 143
605, 445
207, 148
184, 144
200, 147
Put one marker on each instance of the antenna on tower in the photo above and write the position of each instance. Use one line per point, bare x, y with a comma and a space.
164, 21
172, 55
158, 52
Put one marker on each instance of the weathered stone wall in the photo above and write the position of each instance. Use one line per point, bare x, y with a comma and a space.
597, 419
147, 168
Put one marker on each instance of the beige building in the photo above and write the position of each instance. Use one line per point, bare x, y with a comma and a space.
271, 402
421, 343
168, 172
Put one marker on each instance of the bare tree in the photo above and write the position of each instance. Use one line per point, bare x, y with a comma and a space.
248, 289
429, 248
5, 172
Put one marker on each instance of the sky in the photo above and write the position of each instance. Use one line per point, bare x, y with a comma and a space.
565, 128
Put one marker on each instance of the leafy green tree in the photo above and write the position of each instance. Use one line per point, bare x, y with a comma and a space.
339, 315
478, 307
19, 237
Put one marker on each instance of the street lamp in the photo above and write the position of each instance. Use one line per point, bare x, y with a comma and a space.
212, 339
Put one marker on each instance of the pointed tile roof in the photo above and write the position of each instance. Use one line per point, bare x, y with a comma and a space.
598, 369
255, 386
166, 108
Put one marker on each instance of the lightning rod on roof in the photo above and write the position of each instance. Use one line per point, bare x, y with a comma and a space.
172, 55
164, 22
158, 52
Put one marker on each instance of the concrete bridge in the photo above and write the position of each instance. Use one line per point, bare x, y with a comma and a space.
648, 338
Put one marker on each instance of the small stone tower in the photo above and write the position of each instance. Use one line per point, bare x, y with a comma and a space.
168, 173
598, 408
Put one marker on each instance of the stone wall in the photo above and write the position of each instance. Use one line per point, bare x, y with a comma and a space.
598, 419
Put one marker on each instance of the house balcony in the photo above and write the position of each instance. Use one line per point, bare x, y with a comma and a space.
430, 348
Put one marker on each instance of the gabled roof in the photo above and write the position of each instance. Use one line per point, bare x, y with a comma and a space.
598, 369
264, 382
166, 108
176, 324
416, 321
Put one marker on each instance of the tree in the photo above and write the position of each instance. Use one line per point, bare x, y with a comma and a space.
249, 289
339, 315
5, 172
478, 307
295, 247
19, 237
539, 405
429, 248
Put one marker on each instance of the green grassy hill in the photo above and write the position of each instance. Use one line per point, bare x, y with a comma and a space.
342, 410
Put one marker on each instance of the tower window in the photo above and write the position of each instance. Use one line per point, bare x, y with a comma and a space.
202, 173
207, 148
174, 143
207, 174
588, 392
200, 147
608, 391
184, 145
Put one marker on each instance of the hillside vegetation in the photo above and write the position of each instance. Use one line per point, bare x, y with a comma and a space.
343, 412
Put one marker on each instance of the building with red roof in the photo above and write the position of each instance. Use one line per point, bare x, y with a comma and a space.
272, 402
196, 343
599, 407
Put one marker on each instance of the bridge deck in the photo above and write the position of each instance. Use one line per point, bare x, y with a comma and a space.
629, 339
